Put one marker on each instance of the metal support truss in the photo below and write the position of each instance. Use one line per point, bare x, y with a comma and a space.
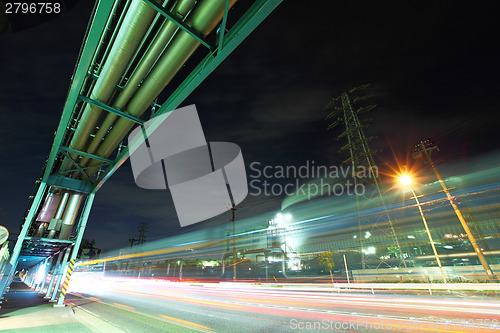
226, 43
83, 153
9, 273
103, 11
222, 30
259, 11
180, 24
110, 109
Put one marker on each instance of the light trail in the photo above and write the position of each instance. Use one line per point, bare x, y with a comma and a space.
286, 307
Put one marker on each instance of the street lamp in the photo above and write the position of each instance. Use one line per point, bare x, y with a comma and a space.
406, 180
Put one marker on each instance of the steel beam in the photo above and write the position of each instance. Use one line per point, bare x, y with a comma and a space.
222, 30
83, 153
110, 109
51, 240
180, 24
78, 167
70, 184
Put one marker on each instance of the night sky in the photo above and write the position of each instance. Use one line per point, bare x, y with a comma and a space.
433, 69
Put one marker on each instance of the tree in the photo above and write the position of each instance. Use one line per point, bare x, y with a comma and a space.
88, 249
325, 260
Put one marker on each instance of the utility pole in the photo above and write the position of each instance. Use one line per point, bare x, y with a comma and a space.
233, 210
424, 148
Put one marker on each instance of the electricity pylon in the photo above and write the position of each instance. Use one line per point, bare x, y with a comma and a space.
361, 159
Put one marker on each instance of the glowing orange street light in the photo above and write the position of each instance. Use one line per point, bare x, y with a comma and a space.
406, 180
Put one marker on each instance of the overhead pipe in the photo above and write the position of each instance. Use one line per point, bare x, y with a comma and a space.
136, 23
89, 86
49, 207
204, 18
113, 35
147, 35
58, 215
167, 31
47, 211
70, 215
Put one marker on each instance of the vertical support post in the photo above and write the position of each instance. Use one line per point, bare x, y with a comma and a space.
9, 272
64, 288
267, 273
30, 278
168, 268
234, 244
35, 274
2, 266
82, 224
180, 270
42, 264
47, 269
4, 262
346, 270
222, 30
33, 270
60, 275
55, 271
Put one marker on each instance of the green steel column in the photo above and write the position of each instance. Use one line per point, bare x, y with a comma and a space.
55, 271
60, 274
48, 262
81, 230
222, 30
9, 273
31, 276
82, 224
